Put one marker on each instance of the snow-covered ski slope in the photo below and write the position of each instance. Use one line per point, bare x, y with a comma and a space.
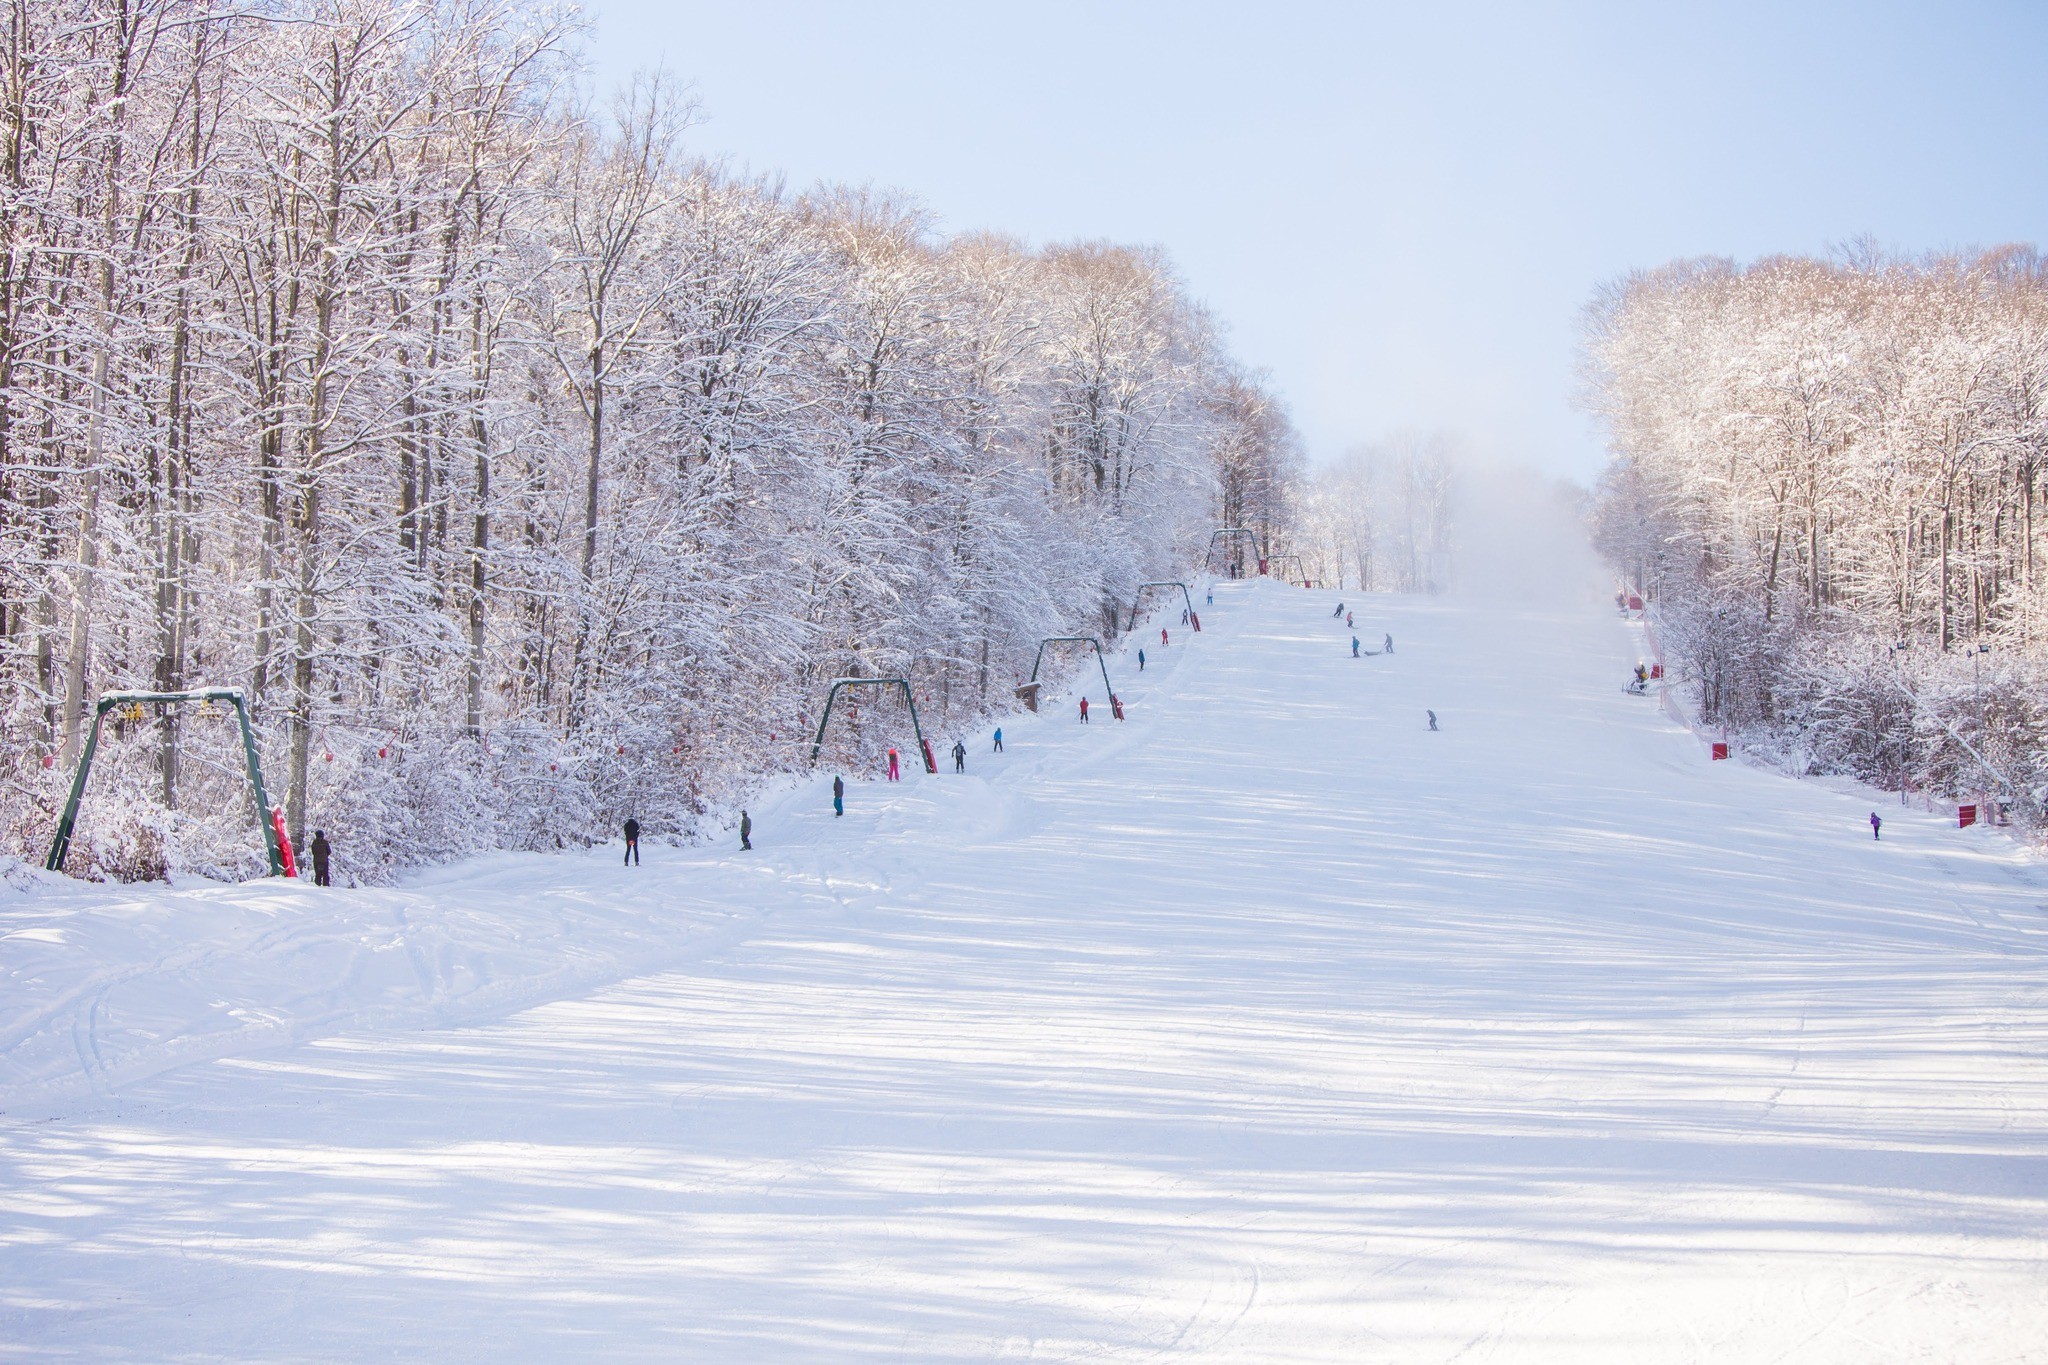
1265, 1026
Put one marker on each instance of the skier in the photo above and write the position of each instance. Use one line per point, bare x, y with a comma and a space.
1162, 637
746, 831
1388, 648
1212, 598
1875, 825
999, 739
1347, 620
959, 756
1339, 611
895, 774
320, 852
1432, 718
1354, 646
838, 796
632, 841
1084, 710
1184, 615
1141, 661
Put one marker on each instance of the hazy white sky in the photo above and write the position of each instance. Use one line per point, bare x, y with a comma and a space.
1396, 209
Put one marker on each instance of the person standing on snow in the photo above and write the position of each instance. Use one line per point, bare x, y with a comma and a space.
746, 831
1162, 637
1347, 620
1389, 647
321, 850
1432, 718
895, 774
1141, 661
838, 796
632, 841
959, 756
1084, 710
1875, 825
999, 739
1354, 646
1212, 597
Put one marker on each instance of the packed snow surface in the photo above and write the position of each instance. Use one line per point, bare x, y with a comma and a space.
1266, 1025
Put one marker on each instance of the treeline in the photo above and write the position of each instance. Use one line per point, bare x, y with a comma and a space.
1383, 518
1827, 483
525, 472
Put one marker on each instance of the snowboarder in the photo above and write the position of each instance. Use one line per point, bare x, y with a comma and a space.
1432, 718
1141, 661
959, 756
746, 831
838, 796
999, 739
895, 773
1354, 646
632, 841
1875, 825
1084, 710
1388, 647
321, 850
1339, 611
1162, 637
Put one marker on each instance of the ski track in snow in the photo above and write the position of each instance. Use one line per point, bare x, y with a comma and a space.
1267, 1025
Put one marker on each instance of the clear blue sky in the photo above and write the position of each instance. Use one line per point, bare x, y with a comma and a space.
1398, 210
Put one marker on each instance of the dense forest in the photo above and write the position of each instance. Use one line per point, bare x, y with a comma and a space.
1827, 484
525, 470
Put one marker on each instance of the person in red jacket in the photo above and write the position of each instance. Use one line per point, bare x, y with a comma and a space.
1162, 637
895, 774
1084, 710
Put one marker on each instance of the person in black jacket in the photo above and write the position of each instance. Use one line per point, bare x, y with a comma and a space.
959, 756
838, 796
746, 831
321, 851
632, 841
